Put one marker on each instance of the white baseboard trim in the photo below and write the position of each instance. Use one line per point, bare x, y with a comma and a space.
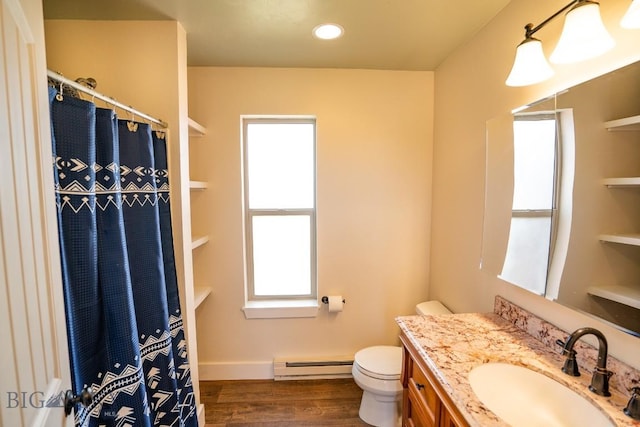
212, 371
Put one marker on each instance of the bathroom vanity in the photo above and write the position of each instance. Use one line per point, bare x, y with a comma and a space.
441, 350
424, 402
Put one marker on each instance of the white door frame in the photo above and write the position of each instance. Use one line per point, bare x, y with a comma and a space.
35, 366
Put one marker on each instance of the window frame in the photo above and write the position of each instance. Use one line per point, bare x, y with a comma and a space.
249, 214
552, 213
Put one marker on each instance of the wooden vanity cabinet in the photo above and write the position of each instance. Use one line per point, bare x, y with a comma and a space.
424, 402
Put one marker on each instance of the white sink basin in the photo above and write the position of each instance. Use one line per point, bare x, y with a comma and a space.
524, 398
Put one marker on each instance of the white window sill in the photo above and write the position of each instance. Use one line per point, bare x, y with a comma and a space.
280, 309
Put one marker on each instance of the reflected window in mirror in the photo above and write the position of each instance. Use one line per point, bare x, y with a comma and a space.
597, 196
529, 196
536, 168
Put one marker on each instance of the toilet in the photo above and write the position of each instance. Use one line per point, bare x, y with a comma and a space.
377, 370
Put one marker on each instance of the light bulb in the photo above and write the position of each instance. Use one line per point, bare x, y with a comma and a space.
328, 31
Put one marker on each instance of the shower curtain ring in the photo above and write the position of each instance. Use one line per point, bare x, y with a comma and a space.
59, 95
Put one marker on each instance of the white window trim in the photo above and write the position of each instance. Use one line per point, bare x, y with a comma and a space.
276, 307
280, 309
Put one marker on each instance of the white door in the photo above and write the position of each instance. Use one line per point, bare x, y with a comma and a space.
34, 367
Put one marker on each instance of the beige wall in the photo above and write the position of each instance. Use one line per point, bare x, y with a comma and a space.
134, 62
374, 157
141, 64
469, 91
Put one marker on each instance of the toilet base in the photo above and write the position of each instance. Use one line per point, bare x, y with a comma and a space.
383, 411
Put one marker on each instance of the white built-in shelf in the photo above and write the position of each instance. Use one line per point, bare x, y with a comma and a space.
196, 242
625, 239
622, 182
620, 294
196, 129
200, 293
198, 185
627, 123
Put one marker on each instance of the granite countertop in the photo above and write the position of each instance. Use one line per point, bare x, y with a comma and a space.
453, 344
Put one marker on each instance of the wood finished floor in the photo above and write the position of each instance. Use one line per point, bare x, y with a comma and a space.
268, 403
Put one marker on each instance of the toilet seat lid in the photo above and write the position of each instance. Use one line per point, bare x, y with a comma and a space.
382, 362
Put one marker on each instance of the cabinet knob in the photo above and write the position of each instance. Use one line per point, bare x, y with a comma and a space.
419, 386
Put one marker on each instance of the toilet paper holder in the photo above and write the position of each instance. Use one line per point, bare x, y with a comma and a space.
325, 300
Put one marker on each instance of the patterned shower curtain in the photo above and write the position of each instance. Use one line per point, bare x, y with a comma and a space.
124, 324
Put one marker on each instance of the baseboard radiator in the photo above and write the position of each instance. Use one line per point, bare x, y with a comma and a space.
289, 368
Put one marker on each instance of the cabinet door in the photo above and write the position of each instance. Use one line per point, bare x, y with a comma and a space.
446, 420
423, 403
416, 415
419, 383
421, 400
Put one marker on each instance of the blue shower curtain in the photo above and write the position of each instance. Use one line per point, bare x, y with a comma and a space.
124, 324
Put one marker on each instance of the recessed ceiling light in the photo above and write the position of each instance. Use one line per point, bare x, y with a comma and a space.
328, 31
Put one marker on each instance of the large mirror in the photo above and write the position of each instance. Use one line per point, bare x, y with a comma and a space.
562, 202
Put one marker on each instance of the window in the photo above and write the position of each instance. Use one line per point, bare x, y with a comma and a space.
536, 169
279, 208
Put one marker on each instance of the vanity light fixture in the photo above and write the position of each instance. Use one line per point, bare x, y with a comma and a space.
583, 36
631, 19
328, 31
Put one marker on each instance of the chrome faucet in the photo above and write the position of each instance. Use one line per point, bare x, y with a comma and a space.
600, 380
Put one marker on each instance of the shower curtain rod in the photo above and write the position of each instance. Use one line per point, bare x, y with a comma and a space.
78, 86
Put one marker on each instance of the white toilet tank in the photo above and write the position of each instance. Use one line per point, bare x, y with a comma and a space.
432, 307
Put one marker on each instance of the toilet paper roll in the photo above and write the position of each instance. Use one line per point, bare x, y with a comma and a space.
335, 303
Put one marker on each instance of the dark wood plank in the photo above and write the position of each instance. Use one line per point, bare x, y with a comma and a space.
267, 403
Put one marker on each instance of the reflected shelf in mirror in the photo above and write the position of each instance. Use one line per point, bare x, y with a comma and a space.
622, 182
624, 124
625, 239
620, 294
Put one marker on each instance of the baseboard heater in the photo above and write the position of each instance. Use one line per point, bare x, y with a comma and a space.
309, 368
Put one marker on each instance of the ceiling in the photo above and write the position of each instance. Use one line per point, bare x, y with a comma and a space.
379, 34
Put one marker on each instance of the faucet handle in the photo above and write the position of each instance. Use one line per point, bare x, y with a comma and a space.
563, 345
570, 366
633, 406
